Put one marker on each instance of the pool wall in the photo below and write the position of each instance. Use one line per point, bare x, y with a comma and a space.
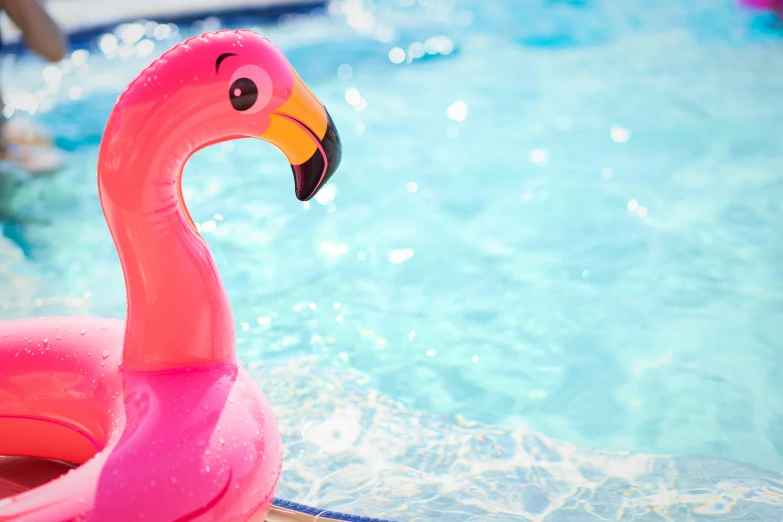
162, 11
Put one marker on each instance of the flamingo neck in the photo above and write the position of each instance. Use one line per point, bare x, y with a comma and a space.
179, 315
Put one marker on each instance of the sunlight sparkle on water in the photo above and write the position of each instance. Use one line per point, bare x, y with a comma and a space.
400, 255
539, 157
344, 71
620, 134
457, 111
397, 55
79, 57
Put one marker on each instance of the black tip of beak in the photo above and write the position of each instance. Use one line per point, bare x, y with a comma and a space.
313, 174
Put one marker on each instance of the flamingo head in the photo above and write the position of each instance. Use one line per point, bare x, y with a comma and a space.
257, 84
236, 84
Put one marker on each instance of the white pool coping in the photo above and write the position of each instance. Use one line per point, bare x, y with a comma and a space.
75, 15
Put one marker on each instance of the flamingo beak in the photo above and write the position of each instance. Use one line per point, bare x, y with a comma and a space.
303, 130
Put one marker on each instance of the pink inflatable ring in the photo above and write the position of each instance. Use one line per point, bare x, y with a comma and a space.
163, 423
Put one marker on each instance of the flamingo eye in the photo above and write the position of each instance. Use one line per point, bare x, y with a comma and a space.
250, 89
243, 94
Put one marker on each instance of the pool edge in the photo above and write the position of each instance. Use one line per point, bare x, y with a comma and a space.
79, 34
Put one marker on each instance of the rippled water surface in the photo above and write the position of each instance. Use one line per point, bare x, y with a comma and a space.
550, 260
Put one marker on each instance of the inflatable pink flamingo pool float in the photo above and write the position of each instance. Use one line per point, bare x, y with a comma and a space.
161, 421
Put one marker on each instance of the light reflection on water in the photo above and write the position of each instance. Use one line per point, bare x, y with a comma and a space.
350, 448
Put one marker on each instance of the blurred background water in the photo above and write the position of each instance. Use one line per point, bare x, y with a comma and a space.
554, 219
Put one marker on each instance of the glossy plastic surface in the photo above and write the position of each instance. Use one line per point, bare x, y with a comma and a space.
165, 423
206, 90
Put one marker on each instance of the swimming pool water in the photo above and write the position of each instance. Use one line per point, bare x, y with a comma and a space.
559, 224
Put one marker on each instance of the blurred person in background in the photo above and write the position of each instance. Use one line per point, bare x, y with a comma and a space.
25, 150
20, 141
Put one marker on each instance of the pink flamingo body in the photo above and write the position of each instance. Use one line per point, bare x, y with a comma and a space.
164, 423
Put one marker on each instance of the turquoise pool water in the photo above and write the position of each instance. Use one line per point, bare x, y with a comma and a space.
544, 285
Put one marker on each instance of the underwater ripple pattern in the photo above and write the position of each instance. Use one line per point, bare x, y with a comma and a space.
349, 448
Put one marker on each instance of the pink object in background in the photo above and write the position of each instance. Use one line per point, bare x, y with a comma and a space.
764, 5
164, 423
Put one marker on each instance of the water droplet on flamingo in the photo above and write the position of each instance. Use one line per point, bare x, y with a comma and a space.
84, 331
